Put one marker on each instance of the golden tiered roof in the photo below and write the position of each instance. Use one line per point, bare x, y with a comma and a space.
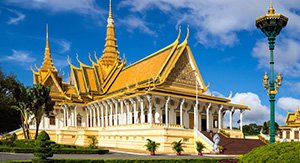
171, 71
293, 119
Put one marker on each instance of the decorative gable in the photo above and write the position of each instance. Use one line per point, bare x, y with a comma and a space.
182, 75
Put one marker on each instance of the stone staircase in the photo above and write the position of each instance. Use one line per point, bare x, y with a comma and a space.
235, 145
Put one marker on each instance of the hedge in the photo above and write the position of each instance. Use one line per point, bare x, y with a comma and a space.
16, 150
55, 151
79, 151
200, 160
282, 152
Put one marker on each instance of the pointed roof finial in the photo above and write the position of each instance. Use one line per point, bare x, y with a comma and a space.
110, 15
47, 64
271, 9
179, 33
47, 37
187, 34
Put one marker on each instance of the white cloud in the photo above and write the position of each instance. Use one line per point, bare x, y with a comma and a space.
64, 44
19, 57
134, 23
286, 55
218, 22
86, 7
259, 113
19, 17
288, 103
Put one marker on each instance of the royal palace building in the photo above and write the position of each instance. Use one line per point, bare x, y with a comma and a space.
290, 132
160, 97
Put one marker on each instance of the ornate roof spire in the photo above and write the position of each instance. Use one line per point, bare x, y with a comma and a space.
271, 9
47, 64
110, 52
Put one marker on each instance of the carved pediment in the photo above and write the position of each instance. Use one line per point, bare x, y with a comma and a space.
182, 74
50, 83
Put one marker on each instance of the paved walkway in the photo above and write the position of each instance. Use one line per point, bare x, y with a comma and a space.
110, 155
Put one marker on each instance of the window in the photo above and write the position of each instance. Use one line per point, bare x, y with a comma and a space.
296, 134
52, 120
215, 122
79, 120
287, 134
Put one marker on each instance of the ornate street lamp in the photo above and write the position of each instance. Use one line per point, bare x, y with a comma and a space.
271, 24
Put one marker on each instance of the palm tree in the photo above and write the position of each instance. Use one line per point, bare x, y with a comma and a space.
23, 104
151, 146
40, 104
178, 147
199, 147
25, 114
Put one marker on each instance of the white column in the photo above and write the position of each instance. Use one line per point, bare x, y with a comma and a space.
110, 113
127, 112
75, 117
196, 113
181, 112
142, 109
219, 117
207, 116
102, 114
106, 114
87, 117
94, 116
135, 116
149, 97
64, 117
91, 116
167, 110
122, 112
68, 123
241, 119
116, 113
230, 118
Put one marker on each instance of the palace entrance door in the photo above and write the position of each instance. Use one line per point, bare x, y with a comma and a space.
203, 123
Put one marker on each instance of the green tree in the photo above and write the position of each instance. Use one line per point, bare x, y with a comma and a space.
41, 104
93, 142
9, 118
43, 148
23, 104
266, 127
177, 146
251, 129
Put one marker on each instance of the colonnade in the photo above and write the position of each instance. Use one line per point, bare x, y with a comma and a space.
151, 109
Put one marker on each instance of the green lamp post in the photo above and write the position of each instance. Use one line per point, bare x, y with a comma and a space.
271, 24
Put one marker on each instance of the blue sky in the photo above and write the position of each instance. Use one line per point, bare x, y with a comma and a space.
230, 52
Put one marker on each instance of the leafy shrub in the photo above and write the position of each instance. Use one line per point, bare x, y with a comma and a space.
177, 146
199, 146
94, 142
43, 149
79, 151
283, 152
151, 145
16, 149
24, 143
